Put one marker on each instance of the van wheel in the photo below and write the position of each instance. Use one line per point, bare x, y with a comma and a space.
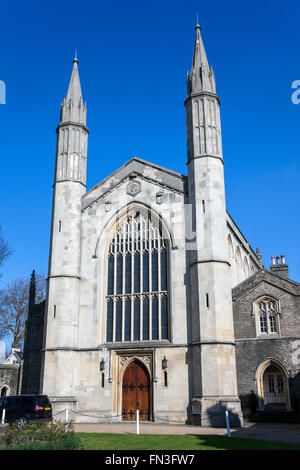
21, 422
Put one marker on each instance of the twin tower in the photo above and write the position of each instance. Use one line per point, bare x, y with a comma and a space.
202, 381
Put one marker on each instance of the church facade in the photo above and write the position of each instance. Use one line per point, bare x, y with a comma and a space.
156, 301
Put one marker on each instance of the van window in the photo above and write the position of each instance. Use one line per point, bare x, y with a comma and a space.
27, 402
11, 402
43, 400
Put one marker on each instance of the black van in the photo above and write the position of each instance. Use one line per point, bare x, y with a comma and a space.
23, 409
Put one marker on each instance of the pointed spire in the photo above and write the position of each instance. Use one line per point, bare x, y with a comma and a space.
73, 108
199, 57
74, 90
201, 77
75, 57
32, 289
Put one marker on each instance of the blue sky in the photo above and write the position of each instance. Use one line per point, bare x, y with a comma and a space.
133, 58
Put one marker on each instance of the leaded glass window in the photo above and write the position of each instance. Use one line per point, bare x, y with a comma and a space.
137, 281
279, 383
262, 317
267, 316
271, 383
272, 316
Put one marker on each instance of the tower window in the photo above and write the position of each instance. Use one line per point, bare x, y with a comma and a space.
137, 282
165, 378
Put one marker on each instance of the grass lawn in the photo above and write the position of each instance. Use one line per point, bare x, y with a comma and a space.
99, 441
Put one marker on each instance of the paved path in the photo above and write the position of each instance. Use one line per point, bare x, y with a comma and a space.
268, 432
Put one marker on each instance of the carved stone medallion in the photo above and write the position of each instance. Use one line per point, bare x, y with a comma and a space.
133, 188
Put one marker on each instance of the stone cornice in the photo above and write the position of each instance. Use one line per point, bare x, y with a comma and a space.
71, 123
63, 275
69, 181
202, 93
269, 338
130, 346
205, 156
213, 341
210, 261
62, 399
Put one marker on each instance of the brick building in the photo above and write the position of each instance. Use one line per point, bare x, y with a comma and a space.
266, 312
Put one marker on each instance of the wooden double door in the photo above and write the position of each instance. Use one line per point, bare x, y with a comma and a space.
136, 392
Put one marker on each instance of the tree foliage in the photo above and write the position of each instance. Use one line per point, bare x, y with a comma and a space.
14, 301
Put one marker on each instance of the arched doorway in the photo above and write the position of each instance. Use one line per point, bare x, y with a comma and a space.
273, 386
4, 391
135, 392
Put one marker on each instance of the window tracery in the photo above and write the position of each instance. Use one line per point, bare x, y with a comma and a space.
137, 281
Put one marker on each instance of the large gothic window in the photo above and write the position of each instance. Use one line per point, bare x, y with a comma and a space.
137, 281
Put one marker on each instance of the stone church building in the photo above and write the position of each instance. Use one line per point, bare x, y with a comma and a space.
156, 301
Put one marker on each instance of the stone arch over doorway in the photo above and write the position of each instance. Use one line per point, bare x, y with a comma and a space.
272, 386
4, 391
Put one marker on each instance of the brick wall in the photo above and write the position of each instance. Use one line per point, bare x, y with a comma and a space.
10, 376
253, 350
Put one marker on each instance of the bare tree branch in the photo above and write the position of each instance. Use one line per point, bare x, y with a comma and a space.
14, 301
5, 251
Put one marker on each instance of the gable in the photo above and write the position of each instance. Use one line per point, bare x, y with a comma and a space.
136, 167
265, 276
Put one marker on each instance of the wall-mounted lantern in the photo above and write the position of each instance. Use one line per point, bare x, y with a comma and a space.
164, 363
102, 365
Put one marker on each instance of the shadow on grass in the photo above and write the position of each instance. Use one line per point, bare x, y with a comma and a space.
96, 441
